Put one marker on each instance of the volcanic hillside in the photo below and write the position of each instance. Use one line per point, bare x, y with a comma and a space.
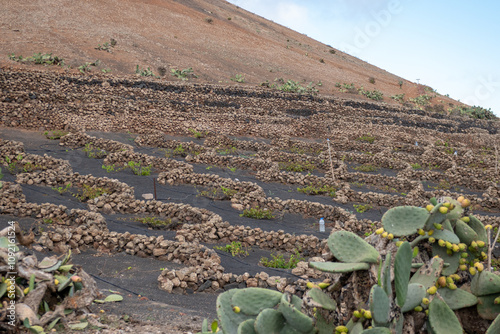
218, 40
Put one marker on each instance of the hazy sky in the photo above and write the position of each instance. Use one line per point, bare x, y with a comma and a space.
452, 46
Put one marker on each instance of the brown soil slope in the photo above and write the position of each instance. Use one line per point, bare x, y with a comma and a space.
217, 39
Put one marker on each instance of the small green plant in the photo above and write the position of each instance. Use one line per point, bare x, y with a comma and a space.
144, 72
368, 138
298, 166
442, 185
473, 112
238, 78
346, 88
279, 261
371, 80
138, 169
416, 166
93, 152
110, 168
234, 248
232, 169
87, 66
179, 150
421, 100
400, 83
317, 190
184, 74
218, 193
61, 190
39, 59
227, 151
197, 134
399, 97
107, 46
55, 134
154, 222
367, 168
257, 213
294, 87
91, 192
361, 208
106, 70
374, 94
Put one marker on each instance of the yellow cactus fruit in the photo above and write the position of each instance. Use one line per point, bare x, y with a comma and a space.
427, 312
443, 210
464, 255
56, 281
462, 267
455, 248
357, 314
418, 309
399, 243
426, 301
484, 256
497, 301
460, 199
449, 245
462, 261
432, 240
472, 271
429, 207
465, 219
451, 207
379, 231
431, 232
465, 203
341, 329
455, 277
323, 285
236, 309
449, 252
76, 278
441, 281
488, 227
385, 234
462, 246
452, 286
480, 243
441, 243
26, 291
390, 236
311, 285
438, 226
447, 204
479, 266
421, 231
449, 280
367, 315
473, 244
432, 290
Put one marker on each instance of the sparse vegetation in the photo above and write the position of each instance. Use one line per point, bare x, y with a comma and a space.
293, 87
368, 138
94, 152
421, 100
474, 112
399, 97
139, 169
197, 134
55, 134
88, 192
154, 222
297, 166
234, 248
39, 59
318, 190
257, 213
416, 166
184, 74
87, 66
279, 261
371, 80
361, 208
218, 193
238, 78
61, 190
145, 72
374, 94
107, 46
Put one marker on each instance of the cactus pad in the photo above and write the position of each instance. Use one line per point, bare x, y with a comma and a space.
252, 301
458, 298
402, 269
485, 283
465, 232
494, 327
446, 235
247, 327
296, 319
377, 330
348, 247
435, 217
453, 260
229, 320
379, 305
404, 220
321, 298
414, 296
478, 227
268, 321
386, 275
486, 307
442, 319
339, 267
429, 273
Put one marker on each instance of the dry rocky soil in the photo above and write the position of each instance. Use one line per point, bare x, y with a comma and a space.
257, 147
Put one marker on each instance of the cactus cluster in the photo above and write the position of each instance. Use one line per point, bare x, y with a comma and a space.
260, 311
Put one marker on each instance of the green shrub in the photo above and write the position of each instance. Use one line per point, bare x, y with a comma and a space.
317, 190
55, 134
145, 72
238, 78
138, 169
154, 222
91, 192
184, 74
371, 80
368, 138
416, 166
296, 166
218, 193
39, 59
421, 100
279, 261
94, 152
257, 213
360, 208
294, 87
399, 97
474, 112
234, 248
367, 168
374, 95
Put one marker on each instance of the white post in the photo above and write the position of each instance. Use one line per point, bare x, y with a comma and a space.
330, 154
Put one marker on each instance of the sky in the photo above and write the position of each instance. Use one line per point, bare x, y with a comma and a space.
451, 46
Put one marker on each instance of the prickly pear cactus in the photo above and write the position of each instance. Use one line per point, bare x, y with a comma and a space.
404, 220
348, 247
